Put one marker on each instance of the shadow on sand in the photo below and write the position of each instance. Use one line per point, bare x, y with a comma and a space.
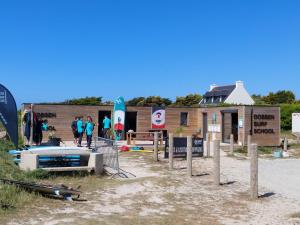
267, 195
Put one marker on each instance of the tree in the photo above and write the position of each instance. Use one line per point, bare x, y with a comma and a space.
286, 111
280, 97
136, 101
157, 101
149, 101
258, 99
84, 101
189, 100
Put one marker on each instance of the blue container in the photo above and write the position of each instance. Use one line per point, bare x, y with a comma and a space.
277, 153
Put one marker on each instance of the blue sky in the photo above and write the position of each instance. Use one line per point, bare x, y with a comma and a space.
58, 49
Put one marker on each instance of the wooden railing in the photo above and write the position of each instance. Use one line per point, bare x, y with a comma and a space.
132, 137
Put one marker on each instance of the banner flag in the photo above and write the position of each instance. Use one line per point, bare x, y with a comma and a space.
9, 114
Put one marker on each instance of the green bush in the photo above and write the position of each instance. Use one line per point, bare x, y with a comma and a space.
286, 115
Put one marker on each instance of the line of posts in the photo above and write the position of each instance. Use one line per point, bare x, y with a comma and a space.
214, 147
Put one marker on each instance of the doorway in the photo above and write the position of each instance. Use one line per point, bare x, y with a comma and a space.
235, 126
204, 125
130, 121
101, 115
230, 125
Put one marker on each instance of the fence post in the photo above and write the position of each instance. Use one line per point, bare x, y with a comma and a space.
231, 144
31, 125
249, 145
254, 172
285, 144
207, 145
189, 156
216, 149
171, 150
155, 147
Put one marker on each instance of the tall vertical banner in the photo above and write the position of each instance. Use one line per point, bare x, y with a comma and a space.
9, 114
158, 118
119, 118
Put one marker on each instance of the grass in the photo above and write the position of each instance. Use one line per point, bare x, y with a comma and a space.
10, 196
261, 150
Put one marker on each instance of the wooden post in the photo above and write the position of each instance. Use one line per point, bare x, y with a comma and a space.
189, 156
231, 144
171, 150
249, 145
155, 156
31, 125
207, 145
254, 172
216, 149
285, 144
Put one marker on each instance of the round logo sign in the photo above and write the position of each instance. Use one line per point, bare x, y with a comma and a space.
158, 118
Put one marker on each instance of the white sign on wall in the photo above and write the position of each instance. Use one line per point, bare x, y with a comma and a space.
241, 123
296, 122
214, 128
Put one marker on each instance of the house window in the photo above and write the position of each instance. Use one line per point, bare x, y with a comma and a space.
184, 118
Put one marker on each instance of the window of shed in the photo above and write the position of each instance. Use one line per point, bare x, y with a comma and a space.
184, 118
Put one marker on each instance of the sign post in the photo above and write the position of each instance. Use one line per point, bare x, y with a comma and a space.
171, 147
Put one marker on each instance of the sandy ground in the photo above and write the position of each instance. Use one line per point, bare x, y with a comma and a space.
159, 196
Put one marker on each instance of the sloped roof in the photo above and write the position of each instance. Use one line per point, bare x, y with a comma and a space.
220, 91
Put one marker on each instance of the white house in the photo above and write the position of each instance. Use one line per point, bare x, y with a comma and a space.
230, 94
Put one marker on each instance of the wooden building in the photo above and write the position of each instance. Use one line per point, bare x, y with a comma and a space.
263, 122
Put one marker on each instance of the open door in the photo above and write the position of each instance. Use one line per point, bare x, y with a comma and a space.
130, 121
101, 116
230, 125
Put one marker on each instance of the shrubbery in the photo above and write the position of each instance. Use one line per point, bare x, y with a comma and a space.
286, 115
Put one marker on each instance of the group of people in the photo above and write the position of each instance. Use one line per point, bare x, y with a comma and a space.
80, 127
38, 126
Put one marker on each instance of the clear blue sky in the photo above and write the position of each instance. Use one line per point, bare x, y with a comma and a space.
56, 50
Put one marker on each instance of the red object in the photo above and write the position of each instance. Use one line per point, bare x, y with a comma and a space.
158, 126
124, 148
119, 126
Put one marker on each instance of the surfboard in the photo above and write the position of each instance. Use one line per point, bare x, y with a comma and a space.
119, 118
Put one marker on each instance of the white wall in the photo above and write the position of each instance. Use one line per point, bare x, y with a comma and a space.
240, 96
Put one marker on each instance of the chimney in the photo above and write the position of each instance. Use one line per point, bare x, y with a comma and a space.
212, 87
239, 84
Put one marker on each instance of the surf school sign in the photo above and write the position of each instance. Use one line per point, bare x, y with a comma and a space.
158, 119
180, 147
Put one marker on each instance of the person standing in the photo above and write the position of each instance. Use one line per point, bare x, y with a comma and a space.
80, 130
89, 128
75, 130
38, 130
106, 126
27, 124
